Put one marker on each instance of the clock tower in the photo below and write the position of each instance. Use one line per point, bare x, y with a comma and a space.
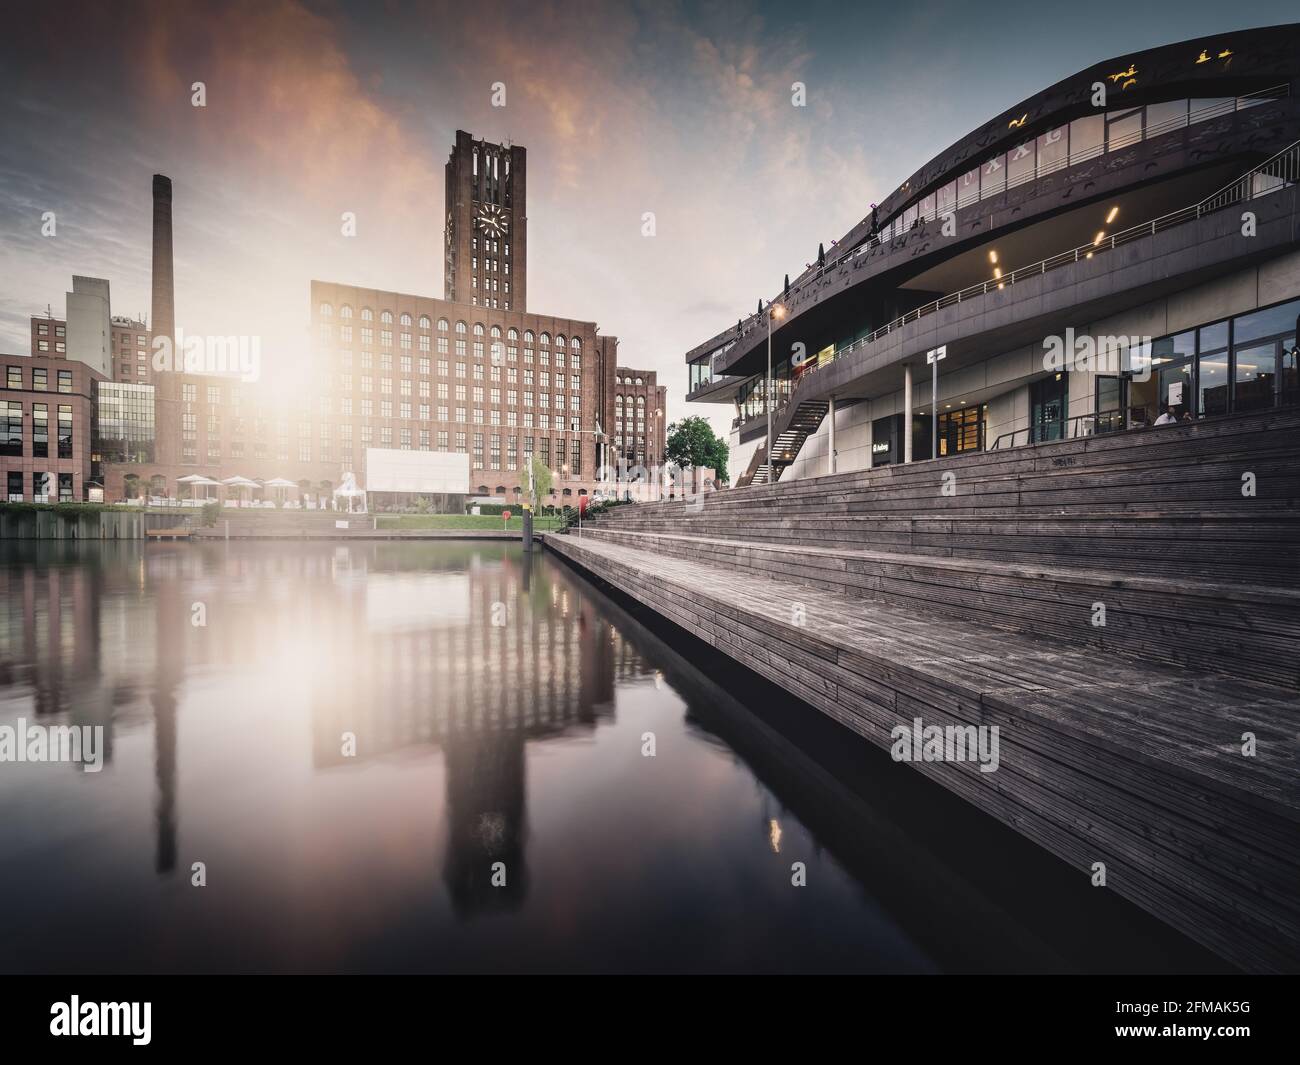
486, 242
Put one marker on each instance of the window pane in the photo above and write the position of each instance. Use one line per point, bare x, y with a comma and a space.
1020, 163
1161, 118
1214, 384
1212, 107
1266, 323
947, 198
1256, 371
1214, 337
1123, 128
1054, 150
1087, 135
993, 177
968, 188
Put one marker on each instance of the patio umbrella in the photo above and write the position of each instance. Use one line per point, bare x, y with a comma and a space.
238, 482
280, 483
194, 480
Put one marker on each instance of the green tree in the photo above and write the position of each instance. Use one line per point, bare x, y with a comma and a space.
692, 442
542, 480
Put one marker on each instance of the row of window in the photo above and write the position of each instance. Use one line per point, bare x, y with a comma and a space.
43, 487
444, 326
1075, 142
40, 378
11, 430
406, 364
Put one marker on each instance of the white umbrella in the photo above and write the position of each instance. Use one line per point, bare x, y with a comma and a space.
194, 480
238, 482
279, 483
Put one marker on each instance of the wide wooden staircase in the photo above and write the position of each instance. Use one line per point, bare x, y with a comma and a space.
1127, 606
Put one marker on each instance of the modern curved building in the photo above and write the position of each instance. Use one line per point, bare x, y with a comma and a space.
1121, 248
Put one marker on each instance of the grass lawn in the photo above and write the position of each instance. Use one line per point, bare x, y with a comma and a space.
462, 521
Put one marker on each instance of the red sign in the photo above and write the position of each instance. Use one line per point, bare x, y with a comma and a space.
582, 504
505, 515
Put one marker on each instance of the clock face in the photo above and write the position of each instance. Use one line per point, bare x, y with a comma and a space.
492, 220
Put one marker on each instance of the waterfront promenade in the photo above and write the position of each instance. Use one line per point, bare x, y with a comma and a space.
1157, 749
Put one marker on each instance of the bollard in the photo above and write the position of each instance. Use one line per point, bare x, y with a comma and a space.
528, 529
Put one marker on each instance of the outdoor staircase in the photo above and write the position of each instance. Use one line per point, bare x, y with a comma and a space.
794, 423
1116, 604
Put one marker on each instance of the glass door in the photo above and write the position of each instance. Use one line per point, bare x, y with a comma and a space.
1047, 400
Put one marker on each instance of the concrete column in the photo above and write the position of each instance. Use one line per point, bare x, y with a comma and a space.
830, 413
907, 413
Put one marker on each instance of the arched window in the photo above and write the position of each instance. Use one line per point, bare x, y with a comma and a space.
512, 333
424, 321
575, 344
559, 340
528, 336
405, 319
367, 315
640, 401
345, 311
442, 325
639, 381
544, 340
326, 310
496, 332
501, 490
482, 489
386, 317
478, 329
461, 327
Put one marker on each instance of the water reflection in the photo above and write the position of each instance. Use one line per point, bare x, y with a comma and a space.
412, 757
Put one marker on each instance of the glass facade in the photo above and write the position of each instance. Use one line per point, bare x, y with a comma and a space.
1237, 364
126, 423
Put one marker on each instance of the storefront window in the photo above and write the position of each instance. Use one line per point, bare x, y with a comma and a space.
1254, 376
1214, 383
961, 430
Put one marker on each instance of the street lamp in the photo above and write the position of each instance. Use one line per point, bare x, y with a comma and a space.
777, 311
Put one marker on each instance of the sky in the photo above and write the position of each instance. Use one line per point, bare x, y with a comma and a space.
319, 107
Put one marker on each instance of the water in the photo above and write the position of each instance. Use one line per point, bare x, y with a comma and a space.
500, 707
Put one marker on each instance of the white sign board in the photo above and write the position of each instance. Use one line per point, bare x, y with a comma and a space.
1175, 393
936, 354
418, 472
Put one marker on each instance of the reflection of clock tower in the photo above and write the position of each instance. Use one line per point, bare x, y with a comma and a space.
487, 225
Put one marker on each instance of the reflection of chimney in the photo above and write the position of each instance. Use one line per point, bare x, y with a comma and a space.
164, 299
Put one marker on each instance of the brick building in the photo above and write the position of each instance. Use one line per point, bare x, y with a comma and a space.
47, 427
639, 429
475, 373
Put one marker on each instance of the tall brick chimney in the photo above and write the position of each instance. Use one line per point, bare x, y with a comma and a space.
167, 386
164, 291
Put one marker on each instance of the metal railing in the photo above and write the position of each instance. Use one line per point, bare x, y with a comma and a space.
1277, 172
1053, 429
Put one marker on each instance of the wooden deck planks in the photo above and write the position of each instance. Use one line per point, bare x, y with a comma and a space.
868, 665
